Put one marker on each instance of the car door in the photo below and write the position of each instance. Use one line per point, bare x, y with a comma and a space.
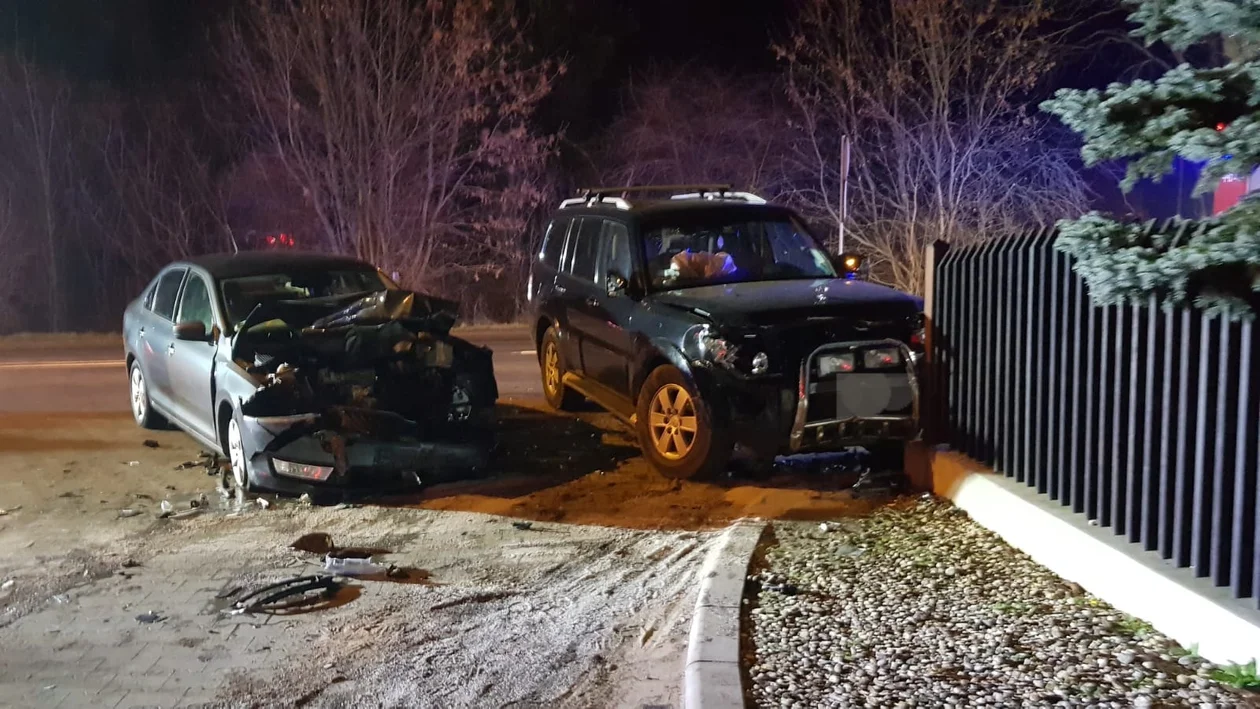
157, 336
575, 289
192, 363
606, 347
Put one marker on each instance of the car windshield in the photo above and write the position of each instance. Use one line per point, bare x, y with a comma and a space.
712, 251
242, 295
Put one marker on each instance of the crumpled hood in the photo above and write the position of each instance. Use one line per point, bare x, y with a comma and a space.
770, 302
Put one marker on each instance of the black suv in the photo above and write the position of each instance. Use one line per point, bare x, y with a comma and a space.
707, 318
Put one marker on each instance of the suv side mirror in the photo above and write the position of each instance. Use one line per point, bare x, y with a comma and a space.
192, 331
851, 265
615, 283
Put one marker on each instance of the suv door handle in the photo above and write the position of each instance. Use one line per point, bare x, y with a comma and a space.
561, 289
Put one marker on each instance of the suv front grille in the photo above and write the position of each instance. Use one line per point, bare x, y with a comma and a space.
860, 393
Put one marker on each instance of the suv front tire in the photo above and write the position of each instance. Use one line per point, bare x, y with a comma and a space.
676, 429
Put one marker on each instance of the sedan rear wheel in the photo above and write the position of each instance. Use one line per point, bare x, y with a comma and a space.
141, 407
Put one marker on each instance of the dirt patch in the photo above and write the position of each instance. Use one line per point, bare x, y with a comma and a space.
586, 469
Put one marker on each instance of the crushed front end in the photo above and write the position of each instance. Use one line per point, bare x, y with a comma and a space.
372, 395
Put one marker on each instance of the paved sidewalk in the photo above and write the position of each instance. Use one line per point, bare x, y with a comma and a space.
89, 649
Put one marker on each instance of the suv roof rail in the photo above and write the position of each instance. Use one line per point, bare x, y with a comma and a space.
590, 196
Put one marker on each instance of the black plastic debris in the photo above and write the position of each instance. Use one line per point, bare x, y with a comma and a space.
287, 594
523, 525
150, 443
150, 617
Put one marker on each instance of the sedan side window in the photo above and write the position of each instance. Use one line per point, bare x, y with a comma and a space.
195, 305
167, 291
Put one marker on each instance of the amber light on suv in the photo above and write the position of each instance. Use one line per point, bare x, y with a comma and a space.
289, 469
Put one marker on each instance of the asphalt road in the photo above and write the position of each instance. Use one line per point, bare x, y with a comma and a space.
91, 379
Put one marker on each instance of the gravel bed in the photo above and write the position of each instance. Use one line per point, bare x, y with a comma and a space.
917, 605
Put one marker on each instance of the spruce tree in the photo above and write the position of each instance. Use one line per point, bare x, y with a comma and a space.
1206, 115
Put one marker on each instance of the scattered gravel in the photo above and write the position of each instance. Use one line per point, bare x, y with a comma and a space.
916, 605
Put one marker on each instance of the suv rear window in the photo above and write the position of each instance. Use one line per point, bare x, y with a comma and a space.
553, 242
167, 289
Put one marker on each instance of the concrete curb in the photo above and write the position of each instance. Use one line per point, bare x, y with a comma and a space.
1189, 610
711, 679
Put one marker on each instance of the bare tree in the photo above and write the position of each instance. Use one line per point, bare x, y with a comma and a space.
37, 149
406, 125
167, 201
931, 94
699, 126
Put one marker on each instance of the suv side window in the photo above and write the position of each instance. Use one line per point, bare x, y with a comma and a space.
585, 249
553, 242
166, 292
616, 251
194, 306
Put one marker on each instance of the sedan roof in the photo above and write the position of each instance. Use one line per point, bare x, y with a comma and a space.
253, 263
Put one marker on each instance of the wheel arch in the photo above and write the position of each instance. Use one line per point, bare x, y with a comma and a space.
652, 354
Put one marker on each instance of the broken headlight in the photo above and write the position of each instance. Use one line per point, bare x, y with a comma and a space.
305, 471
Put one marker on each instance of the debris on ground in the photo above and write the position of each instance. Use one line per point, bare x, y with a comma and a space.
7, 585
167, 507
263, 503
523, 525
130, 564
185, 514
295, 592
305, 499
150, 617
938, 611
188, 465
351, 566
128, 513
150, 443
133, 463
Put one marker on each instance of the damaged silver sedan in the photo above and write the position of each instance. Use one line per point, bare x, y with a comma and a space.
309, 373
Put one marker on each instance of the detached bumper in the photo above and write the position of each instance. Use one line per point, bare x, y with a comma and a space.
359, 462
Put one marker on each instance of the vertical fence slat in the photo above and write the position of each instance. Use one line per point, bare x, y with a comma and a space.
1151, 489
1130, 511
1200, 525
1221, 489
1244, 531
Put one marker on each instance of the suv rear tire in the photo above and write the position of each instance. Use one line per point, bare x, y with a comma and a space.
677, 431
553, 368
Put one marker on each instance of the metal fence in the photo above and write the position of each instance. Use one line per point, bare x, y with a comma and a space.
1146, 421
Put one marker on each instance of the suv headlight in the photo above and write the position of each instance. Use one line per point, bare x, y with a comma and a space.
744, 358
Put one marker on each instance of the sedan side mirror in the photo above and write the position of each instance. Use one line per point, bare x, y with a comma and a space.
191, 331
615, 283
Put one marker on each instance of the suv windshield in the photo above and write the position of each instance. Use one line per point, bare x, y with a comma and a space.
701, 253
241, 295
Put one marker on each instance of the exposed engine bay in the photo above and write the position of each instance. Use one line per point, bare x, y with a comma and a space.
383, 368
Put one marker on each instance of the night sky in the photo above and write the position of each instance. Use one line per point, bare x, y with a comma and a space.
139, 45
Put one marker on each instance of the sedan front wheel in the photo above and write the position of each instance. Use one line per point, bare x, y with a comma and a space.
236, 457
